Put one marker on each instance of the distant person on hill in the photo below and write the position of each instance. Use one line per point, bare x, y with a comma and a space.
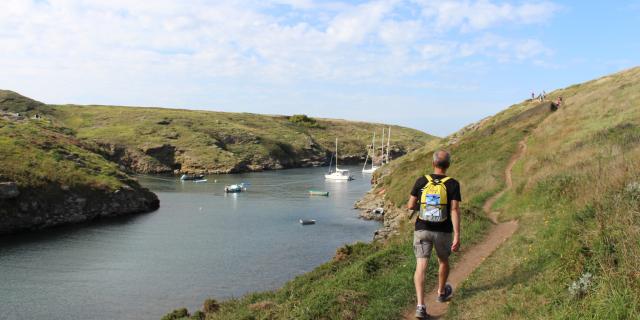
437, 198
533, 95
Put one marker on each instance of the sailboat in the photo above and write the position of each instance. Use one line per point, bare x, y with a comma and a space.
338, 174
373, 155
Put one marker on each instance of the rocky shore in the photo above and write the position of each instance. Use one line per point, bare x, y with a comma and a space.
24, 209
372, 206
168, 158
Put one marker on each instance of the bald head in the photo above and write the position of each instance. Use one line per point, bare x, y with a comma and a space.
441, 159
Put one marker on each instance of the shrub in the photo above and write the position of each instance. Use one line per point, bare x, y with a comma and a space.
176, 314
343, 252
304, 120
261, 305
211, 306
198, 315
371, 265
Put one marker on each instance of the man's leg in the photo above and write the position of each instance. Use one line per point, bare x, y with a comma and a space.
418, 279
443, 274
422, 245
443, 243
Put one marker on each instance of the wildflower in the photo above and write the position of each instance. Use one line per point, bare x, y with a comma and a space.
581, 286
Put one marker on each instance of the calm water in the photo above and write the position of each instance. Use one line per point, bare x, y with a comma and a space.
201, 243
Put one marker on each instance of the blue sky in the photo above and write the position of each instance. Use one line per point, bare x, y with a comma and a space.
431, 65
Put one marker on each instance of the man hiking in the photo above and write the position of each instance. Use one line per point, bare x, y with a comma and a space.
437, 198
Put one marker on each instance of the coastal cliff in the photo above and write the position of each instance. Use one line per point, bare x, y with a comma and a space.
49, 178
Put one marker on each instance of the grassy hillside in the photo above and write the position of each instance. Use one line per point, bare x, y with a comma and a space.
15, 103
576, 193
205, 141
161, 140
34, 153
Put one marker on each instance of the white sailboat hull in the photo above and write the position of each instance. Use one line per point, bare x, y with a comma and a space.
370, 170
337, 176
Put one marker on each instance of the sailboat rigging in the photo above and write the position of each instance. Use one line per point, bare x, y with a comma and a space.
338, 174
373, 155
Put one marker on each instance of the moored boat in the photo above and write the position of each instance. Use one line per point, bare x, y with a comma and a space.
318, 193
234, 188
338, 174
305, 222
186, 177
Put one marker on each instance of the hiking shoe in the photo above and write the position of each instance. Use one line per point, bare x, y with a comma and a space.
421, 313
448, 291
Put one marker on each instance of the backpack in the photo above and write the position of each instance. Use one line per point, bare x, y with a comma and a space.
433, 202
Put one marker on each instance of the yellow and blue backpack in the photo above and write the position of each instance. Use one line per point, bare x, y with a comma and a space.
433, 202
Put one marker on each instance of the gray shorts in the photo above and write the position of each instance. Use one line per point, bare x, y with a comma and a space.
424, 240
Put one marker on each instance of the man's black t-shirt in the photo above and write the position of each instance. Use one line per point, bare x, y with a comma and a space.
453, 193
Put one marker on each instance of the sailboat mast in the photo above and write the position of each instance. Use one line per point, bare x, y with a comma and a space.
388, 143
373, 148
370, 151
366, 159
382, 144
336, 154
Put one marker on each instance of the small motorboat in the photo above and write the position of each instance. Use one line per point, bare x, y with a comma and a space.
186, 177
318, 193
234, 188
305, 222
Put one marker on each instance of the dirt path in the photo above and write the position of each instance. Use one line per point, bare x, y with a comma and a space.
473, 256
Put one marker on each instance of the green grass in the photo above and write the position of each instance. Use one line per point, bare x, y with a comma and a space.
479, 157
576, 200
34, 153
221, 141
15, 103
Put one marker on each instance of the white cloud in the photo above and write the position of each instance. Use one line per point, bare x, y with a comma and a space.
144, 42
504, 49
478, 15
354, 25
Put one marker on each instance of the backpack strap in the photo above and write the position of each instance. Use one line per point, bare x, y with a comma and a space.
437, 181
429, 178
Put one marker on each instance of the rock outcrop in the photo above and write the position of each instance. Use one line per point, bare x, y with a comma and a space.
52, 205
52, 178
8, 190
373, 207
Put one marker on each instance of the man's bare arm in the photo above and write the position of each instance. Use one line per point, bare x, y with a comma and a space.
412, 204
455, 219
